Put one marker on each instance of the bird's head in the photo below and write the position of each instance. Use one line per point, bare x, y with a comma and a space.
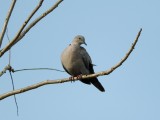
79, 39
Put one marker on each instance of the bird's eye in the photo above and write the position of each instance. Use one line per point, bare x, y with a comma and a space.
79, 38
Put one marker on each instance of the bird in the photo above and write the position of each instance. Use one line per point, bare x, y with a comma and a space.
76, 61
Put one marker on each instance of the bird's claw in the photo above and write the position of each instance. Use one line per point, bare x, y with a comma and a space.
78, 77
72, 79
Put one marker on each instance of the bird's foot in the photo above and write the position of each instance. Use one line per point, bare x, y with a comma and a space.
78, 77
72, 79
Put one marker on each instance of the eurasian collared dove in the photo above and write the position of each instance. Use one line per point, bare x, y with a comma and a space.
76, 61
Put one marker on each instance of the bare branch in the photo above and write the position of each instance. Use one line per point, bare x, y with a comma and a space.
6, 21
38, 19
38, 69
15, 100
8, 67
20, 36
23, 26
122, 60
34, 86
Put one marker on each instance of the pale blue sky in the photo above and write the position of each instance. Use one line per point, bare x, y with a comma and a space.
110, 27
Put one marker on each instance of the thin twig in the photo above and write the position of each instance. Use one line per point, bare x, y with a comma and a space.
34, 86
8, 66
6, 21
13, 90
122, 60
10, 70
9, 62
15, 40
38, 69
19, 70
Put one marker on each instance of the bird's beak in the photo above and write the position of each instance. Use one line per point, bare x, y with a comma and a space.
85, 43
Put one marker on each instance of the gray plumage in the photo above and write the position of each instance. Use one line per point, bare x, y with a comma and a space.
76, 61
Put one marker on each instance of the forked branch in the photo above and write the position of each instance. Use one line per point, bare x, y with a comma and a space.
21, 33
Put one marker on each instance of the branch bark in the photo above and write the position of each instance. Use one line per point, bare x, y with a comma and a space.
20, 35
4, 70
46, 82
6, 21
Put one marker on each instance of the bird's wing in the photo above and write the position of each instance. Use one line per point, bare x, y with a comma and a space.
86, 60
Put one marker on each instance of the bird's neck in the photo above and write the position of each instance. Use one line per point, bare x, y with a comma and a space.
75, 44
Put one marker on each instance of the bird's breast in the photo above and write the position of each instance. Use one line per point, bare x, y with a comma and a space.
70, 59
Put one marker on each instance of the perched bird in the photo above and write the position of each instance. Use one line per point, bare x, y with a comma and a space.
76, 61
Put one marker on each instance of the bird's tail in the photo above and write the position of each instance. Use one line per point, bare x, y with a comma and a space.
97, 84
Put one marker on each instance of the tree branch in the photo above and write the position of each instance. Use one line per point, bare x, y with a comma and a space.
4, 70
8, 67
34, 86
18, 33
6, 21
37, 69
23, 26
22, 33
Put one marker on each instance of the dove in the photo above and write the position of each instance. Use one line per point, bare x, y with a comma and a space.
76, 61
